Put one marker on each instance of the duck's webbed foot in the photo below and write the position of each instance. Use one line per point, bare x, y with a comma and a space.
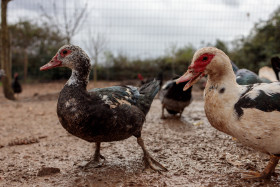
150, 163
266, 173
95, 160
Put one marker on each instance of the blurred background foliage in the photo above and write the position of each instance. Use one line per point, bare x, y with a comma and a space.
33, 45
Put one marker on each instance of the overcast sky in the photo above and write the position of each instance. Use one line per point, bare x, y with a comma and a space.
145, 28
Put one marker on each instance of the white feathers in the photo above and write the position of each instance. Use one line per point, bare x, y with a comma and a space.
112, 104
123, 101
268, 89
71, 102
104, 97
73, 79
107, 101
128, 91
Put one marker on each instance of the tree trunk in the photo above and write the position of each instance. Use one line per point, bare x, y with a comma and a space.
6, 53
25, 67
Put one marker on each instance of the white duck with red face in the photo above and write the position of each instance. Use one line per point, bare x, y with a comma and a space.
250, 113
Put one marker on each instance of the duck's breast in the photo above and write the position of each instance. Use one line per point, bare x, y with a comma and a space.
257, 117
258, 129
89, 117
219, 100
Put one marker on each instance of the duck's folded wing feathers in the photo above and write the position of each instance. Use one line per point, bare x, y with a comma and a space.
117, 95
264, 97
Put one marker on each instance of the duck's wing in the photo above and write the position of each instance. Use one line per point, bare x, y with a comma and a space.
264, 97
116, 96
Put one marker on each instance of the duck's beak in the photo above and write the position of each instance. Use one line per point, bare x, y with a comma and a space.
52, 64
190, 76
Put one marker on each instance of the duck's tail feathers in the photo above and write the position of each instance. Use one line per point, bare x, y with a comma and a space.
147, 93
150, 89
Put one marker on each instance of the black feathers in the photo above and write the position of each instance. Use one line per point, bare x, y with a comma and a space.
275, 62
119, 95
16, 85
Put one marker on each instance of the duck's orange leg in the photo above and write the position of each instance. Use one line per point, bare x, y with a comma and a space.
266, 173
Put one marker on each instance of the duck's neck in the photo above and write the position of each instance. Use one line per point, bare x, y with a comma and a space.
221, 92
79, 78
221, 77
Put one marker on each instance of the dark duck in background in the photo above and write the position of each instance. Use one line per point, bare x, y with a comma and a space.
16, 85
101, 114
275, 62
173, 98
250, 113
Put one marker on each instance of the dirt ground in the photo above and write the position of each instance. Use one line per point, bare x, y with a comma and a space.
32, 140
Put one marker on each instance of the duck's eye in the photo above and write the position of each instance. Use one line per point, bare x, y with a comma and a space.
65, 52
205, 58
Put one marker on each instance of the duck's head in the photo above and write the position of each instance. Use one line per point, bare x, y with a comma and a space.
208, 60
70, 56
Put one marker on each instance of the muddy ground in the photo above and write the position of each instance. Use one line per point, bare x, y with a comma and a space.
196, 154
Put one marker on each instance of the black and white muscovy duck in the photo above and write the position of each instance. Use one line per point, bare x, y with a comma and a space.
275, 62
245, 76
250, 113
16, 85
102, 114
173, 98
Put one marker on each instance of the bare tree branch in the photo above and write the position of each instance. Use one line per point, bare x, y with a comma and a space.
80, 18
70, 24
95, 45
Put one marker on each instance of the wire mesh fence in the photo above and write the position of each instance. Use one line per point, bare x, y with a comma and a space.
146, 28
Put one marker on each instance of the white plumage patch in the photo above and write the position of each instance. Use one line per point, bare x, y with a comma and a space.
166, 84
71, 102
73, 79
128, 91
122, 101
107, 101
268, 89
